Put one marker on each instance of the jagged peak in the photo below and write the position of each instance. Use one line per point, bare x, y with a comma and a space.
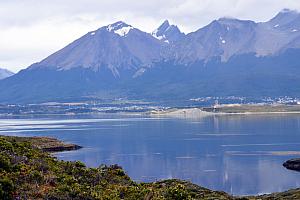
164, 30
165, 25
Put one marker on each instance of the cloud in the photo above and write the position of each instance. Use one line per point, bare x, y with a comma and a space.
33, 29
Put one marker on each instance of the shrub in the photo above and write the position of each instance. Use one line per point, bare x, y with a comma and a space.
6, 189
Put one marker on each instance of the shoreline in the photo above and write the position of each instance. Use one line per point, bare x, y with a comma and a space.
227, 110
193, 112
47, 144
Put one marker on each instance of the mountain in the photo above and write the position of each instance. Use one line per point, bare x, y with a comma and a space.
4, 73
221, 38
286, 20
168, 33
228, 57
279, 34
115, 47
227, 37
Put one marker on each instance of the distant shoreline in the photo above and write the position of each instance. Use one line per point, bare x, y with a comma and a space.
236, 109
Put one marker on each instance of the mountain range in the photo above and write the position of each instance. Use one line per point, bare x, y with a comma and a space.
228, 57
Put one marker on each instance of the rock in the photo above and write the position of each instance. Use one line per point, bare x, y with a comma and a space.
293, 164
68, 147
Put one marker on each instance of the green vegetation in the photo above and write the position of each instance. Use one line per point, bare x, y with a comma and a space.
45, 143
27, 172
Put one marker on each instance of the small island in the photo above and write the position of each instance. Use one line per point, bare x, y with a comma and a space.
27, 170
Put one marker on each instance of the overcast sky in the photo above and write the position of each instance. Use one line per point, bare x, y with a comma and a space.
30, 30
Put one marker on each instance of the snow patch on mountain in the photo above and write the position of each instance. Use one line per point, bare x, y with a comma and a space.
222, 40
140, 72
160, 37
124, 31
119, 28
157, 36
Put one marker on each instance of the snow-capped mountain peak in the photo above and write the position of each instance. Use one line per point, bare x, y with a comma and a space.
119, 28
167, 32
114, 47
255, 59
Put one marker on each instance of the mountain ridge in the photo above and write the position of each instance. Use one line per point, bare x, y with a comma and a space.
109, 45
224, 58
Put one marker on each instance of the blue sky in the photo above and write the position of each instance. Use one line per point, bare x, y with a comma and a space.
30, 30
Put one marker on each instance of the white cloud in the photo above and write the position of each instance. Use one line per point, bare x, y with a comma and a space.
33, 29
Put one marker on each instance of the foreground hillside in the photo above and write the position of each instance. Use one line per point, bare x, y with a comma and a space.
26, 172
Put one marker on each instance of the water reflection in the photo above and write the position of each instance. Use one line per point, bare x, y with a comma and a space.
238, 154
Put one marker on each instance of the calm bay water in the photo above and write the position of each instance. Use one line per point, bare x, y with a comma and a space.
237, 154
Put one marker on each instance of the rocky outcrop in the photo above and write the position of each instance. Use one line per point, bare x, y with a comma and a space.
59, 148
46, 144
293, 164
